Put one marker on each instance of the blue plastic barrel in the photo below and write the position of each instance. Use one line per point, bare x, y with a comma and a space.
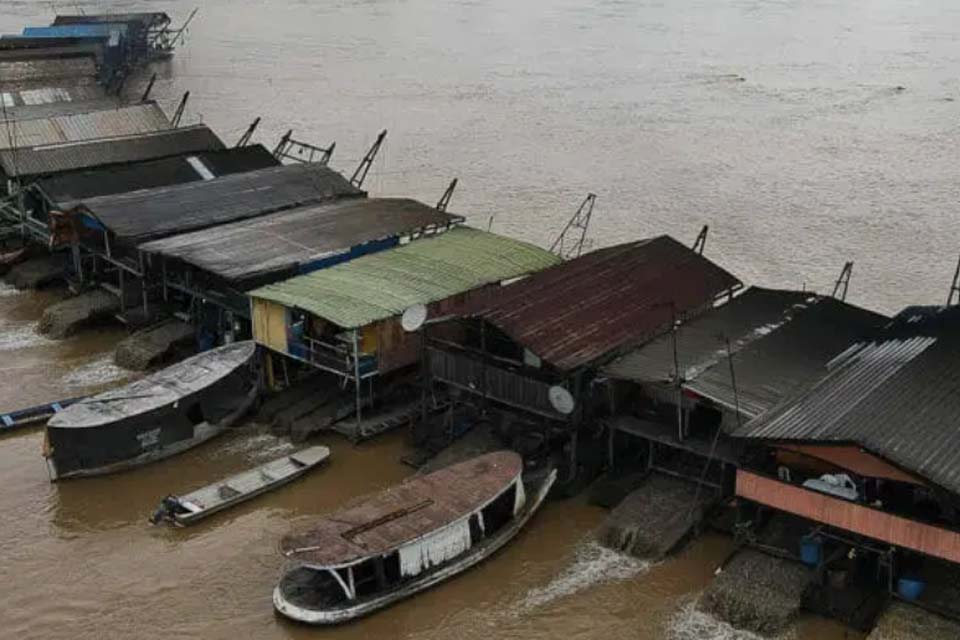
910, 588
811, 548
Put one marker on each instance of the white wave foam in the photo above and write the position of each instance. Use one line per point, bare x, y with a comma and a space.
690, 623
7, 290
21, 336
592, 564
96, 372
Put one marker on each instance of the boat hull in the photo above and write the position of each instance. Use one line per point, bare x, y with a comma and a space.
476, 555
190, 518
166, 431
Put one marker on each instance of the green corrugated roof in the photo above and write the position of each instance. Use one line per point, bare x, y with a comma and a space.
382, 285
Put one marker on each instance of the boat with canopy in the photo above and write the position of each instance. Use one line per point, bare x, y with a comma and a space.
396, 543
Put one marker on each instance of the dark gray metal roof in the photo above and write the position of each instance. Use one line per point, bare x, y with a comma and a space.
280, 243
780, 341
58, 50
786, 359
56, 158
102, 181
700, 341
154, 213
896, 395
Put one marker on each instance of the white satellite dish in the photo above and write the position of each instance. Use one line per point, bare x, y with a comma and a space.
413, 318
561, 400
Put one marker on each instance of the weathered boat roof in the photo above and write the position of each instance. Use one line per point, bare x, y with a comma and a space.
145, 17
380, 523
53, 109
32, 92
47, 69
156, 390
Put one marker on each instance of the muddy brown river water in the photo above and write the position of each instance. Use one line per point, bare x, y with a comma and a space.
804, 133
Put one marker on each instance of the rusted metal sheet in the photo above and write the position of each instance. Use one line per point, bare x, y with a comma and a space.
896, 395
596, 306
849, 516
382, 522
131, 120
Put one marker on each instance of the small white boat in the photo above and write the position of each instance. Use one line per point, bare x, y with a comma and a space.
190, 507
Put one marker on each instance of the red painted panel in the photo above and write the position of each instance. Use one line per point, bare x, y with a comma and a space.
852, 459
850, 516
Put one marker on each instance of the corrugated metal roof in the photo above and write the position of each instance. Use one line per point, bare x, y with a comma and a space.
597, 305
36, 93
52, 159
154, 213
130, 120
384, 284
103, 181
787, 358
896, 395
700, 341
52, 109
14, 72
282, 242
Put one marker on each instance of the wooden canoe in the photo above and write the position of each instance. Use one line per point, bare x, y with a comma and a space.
188, 508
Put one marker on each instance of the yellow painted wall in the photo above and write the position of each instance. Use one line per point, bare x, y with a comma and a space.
270, 324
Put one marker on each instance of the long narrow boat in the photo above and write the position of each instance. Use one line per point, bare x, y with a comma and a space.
190, 507
158, 416
406, 539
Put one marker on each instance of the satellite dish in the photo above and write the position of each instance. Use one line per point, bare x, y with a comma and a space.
413, 318
561, 400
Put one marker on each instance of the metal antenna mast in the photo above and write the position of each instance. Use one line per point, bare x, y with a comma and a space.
701, 242
843, 282
954, 287
445, 198
361, 173
245, 138
178, 114
572, 246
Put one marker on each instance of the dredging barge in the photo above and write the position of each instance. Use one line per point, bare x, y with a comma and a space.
406, 539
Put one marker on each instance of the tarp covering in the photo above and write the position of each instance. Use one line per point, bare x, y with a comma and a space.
285, 241
146, 214
383, 285
435, 549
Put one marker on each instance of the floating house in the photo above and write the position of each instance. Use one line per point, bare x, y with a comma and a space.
532, 351
674, 401
346, 319
106, 231
148, 33
868, 455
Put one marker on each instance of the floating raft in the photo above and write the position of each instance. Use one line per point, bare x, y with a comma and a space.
33, 415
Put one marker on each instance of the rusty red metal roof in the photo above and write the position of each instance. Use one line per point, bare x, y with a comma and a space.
595, 306
380, 523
